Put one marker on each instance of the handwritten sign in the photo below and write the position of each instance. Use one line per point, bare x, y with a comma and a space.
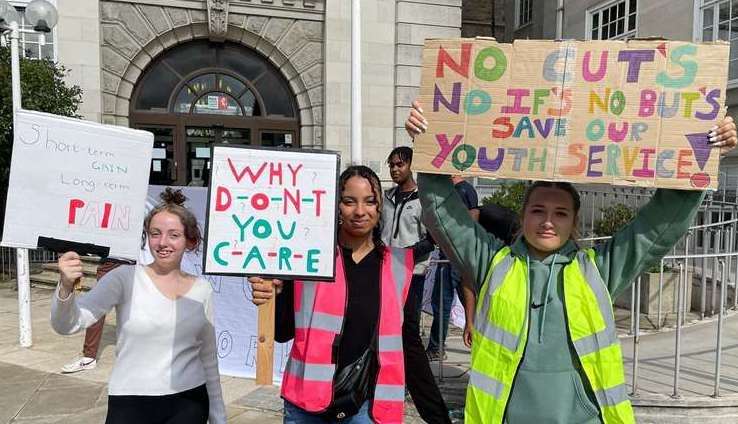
272, 213
79, 181
623, 113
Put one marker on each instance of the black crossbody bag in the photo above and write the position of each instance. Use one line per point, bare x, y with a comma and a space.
351, 384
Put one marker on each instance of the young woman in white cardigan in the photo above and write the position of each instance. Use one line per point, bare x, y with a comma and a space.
166, 370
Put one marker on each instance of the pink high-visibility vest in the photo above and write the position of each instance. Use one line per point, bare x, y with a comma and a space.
319, 314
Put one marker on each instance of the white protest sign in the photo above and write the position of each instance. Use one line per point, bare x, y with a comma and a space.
272, 213
78, 181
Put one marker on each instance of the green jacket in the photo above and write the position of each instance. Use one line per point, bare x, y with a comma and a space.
549, 386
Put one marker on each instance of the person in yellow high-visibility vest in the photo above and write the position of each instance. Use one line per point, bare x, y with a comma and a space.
544, 347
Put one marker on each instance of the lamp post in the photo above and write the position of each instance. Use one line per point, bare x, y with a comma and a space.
43, 16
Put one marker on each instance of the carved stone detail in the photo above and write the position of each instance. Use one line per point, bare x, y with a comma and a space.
218, 19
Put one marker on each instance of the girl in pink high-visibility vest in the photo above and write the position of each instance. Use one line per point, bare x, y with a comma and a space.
335, 324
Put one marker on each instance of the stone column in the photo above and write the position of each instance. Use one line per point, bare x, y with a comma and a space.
78, 49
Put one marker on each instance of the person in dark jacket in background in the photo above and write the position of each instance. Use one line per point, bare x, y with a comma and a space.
499, 221
401, 227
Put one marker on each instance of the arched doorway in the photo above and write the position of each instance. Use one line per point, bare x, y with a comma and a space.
200, 93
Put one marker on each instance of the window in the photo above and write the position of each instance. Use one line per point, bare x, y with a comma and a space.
199, 93
224, 80
32, 44
523, 12
613, 20
720, 22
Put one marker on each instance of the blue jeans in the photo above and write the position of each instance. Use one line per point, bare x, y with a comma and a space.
296, 415
451, 283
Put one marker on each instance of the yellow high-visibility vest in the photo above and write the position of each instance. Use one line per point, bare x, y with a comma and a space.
501, 329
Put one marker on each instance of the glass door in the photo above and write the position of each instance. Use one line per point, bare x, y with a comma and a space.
163, 170
198, 142
277, 138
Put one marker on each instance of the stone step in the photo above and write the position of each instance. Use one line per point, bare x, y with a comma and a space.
685, 410
49, 279
88, 268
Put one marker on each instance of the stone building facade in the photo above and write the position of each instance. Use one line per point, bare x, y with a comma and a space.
260, 72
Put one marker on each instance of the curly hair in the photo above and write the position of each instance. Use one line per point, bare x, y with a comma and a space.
172, 201
403, 153
369, 175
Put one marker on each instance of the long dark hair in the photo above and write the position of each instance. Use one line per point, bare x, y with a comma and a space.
369, 175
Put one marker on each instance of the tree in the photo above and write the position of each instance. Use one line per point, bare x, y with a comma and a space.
509, 196
43, 89
614, 217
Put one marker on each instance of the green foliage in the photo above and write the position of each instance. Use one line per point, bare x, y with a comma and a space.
43, 89
509, 195
614, 217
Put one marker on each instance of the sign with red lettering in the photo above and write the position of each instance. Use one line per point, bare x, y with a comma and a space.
78, 181
271, 213
632, 113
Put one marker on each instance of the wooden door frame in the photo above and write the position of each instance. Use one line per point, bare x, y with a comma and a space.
179, 122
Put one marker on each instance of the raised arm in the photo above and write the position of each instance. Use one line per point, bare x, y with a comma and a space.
447, 219
71, 313
657, 226
654, 231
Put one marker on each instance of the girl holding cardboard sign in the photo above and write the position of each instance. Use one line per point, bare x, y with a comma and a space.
346, 362
166, 368
545, 347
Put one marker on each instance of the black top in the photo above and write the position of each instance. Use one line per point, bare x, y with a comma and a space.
401, 196
500, 221
362, 308
468, 194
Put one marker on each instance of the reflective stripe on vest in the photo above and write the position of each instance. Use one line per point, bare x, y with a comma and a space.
499, 336
314, 372
501, 329
593, 333
319, 309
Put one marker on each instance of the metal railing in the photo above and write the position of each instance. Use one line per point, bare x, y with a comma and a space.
8, 258
706, 259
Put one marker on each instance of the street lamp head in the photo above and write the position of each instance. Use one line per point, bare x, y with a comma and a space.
8, 15
42, 15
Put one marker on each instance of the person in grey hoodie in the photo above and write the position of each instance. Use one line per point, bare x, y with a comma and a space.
401, 227
545, 348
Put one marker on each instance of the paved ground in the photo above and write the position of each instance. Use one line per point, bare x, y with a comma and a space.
32, 390
656, 367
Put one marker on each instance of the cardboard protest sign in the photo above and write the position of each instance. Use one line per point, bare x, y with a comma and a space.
623, 113
271, 213
77, 181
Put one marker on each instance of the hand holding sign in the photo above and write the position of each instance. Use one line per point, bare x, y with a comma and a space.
70, 273
263, 292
